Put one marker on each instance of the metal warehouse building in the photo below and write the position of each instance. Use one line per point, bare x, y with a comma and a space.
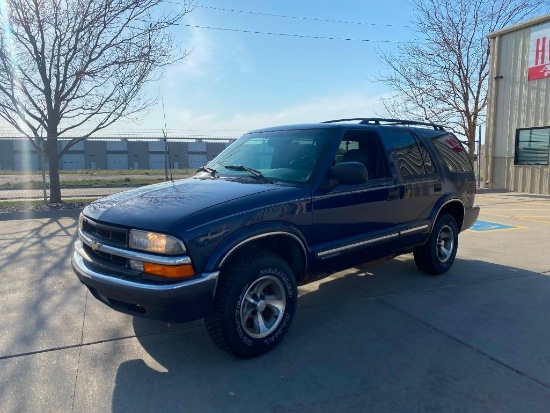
116, 154
518, 115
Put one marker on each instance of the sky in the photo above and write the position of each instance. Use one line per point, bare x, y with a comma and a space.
232, 82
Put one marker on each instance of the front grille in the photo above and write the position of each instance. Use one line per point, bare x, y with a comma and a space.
114, 236
106, 235
105, 258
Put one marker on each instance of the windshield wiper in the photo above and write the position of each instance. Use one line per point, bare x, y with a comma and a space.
213, 173
253, 172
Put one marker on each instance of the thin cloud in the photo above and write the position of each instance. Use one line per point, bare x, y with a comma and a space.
198, 64
326, 108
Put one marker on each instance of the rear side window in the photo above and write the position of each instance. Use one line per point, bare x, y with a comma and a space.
453, 153
410, 157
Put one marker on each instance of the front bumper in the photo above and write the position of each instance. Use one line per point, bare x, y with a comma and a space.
470, 217
175, 302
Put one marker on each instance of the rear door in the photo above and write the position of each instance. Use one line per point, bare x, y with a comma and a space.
420, 184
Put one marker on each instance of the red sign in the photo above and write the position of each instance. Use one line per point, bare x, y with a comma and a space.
539, 53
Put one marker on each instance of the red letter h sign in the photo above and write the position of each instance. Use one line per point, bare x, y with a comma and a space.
540, 52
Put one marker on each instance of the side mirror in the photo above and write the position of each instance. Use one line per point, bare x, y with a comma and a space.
350, 173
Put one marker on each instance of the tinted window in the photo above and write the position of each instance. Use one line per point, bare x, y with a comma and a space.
282, 155
453, 153
366, 148
428, 163
532, 146
407, 155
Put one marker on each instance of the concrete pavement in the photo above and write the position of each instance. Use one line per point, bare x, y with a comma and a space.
380, 339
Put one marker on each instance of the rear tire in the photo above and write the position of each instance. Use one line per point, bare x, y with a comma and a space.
254, 307
437, 255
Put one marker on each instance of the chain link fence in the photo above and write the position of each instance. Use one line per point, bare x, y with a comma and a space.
101, 166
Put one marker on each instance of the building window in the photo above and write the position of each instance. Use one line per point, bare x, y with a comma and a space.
532, 146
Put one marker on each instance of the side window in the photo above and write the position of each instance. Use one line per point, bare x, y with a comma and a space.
345, 145
453, 153
409, 157
366, 148
428, 163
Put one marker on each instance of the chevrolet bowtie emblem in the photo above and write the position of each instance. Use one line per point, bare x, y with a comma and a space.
95, 245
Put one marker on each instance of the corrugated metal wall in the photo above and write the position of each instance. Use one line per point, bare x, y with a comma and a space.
115, 154
514, 103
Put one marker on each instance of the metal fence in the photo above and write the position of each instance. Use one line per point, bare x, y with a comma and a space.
102, 165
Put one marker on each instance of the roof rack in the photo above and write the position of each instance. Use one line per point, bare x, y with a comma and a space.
382, 121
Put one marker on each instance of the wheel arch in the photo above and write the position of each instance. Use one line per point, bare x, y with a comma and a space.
286, 243
454, 207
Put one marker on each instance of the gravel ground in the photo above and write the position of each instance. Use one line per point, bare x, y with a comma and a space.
42, 207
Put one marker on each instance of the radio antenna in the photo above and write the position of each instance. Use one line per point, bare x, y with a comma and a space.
166, 151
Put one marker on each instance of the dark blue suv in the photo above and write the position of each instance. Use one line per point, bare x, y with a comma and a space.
280, 207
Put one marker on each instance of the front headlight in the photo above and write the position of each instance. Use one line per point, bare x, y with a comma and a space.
154, 242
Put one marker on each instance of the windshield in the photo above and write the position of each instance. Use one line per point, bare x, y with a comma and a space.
277, 156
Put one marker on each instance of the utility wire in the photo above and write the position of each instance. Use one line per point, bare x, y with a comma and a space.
300, 17
303, 36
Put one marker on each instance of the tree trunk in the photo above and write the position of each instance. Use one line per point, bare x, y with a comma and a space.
51, 152
471, 148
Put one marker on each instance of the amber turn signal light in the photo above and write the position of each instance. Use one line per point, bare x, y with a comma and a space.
169, 271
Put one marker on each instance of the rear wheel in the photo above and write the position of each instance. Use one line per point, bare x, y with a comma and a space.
437, 255
255, 305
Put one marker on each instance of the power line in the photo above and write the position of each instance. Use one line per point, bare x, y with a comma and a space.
303, 36
300, 17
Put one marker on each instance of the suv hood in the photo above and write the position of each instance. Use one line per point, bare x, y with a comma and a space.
158, 207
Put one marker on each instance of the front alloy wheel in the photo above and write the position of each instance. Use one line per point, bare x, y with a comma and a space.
255, 305
263, 306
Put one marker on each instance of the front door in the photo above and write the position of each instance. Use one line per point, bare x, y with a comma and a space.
354, 223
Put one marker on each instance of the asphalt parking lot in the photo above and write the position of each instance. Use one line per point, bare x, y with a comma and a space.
379, 339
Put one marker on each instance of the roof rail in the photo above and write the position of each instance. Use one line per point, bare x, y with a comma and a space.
382, 121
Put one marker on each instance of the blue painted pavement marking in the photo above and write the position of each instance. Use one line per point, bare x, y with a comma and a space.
489, 226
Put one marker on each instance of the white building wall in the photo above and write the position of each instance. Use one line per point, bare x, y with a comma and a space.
72, 162
25, 162
514, 103
116, 161
157, 161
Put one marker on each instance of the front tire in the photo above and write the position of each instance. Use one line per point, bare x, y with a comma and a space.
254, 307
437, 255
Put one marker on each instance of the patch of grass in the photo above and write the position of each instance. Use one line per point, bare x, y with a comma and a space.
16, 203
109, 172
85, 183
106, 172
36, 202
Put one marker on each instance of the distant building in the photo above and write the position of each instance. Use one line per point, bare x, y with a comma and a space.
518, 115
18, 154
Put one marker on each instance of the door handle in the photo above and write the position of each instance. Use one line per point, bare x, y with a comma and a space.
437, 187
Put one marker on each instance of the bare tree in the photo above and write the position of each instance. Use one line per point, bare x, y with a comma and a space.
66, 64
442, 76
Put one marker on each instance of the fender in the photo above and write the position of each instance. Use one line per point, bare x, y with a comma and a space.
440, 204
251, 233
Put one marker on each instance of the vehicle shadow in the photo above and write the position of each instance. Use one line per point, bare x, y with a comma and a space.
346, 347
